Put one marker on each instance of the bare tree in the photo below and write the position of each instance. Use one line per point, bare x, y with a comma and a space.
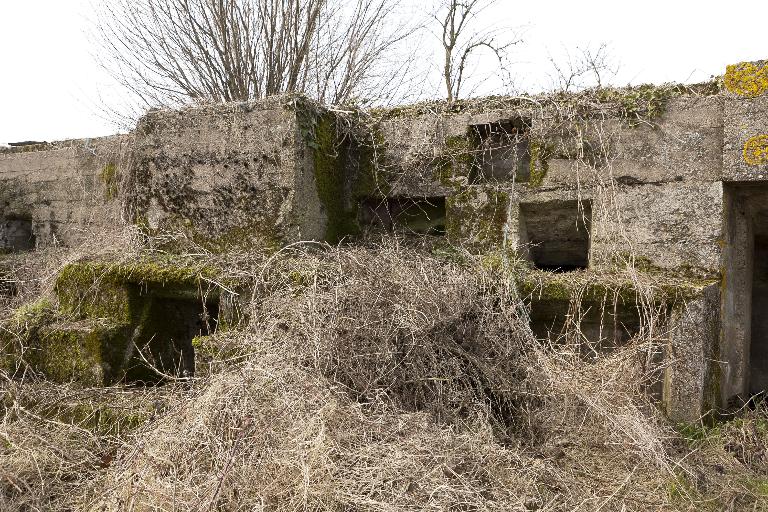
586, 67
461, 39
169, 52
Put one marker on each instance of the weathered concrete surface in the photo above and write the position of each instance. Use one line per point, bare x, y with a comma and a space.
758, 352
746, 133
16, 234
557, 233
229, 175
593, 326
684, 144
691, 365
672, 225
478, 217
746, 122
67, 190
736, 308
414, 155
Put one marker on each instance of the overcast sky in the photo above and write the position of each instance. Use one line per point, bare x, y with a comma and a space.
51, 88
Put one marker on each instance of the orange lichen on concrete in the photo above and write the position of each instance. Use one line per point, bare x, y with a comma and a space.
747, 79
756, 150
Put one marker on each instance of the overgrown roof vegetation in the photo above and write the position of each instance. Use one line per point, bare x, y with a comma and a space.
645, 101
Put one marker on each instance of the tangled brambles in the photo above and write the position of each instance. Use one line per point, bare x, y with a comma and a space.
388, 377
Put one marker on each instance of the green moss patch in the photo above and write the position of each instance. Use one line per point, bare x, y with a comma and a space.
330, 152
108, 312
476, 217
595, 287
100, 289
87, 352
540, 155
330, 156
109, 178
90, 353
455, 163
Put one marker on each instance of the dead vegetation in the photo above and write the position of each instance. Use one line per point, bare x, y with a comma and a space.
380, 377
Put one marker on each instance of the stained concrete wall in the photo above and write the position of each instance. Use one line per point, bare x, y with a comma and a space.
691, 357
66, 190
228, 175
647, 185
672, 225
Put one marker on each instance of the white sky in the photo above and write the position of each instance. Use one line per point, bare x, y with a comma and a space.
51, 88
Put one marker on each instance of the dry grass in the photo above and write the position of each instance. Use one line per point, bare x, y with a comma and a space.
376, 378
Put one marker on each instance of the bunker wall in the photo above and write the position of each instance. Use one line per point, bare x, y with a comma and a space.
59, 194
229, 175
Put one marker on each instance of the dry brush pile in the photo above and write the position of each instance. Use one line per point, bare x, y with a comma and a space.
380, 377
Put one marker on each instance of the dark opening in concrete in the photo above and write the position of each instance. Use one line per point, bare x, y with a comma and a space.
409, 215
557, 234
165, 334
16, 234
502, 150
744, 344
758, 353
591, 326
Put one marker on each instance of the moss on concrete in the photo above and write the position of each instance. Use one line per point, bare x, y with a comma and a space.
599, 286
566, 286
648, 102
33, 313
88, 289
109, 178
454, 166
261, 235
16, 332
371, 179
90, 353
476, 217
330, 151
540, 153
100, 289
330, 154
682, 273
114, 308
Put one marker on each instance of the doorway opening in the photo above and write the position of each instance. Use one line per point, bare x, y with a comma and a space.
165, 334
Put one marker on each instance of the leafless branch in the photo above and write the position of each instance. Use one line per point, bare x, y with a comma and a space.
171, 52
586, 67
461, 40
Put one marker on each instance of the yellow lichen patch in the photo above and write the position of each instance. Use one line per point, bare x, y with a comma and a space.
756, 150
747, 79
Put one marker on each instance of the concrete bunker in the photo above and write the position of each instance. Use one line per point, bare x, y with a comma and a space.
556, 234
16, 234
502, 150
408, 215
744, 346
